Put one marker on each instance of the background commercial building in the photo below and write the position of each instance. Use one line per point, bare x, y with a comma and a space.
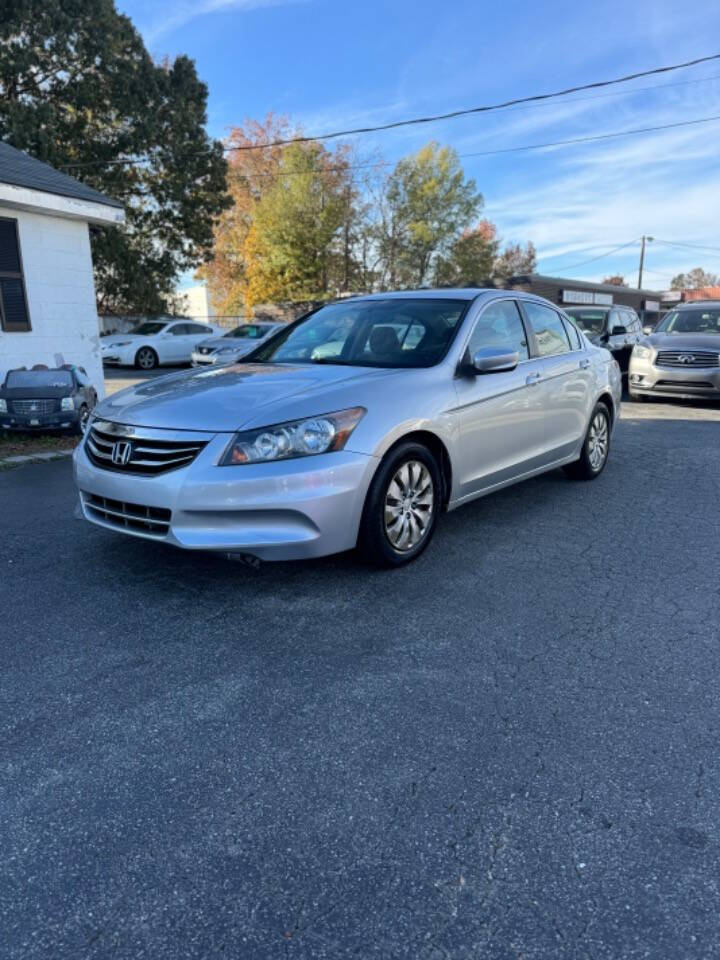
567, 293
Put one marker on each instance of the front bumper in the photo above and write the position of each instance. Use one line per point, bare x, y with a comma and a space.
290, 510
27, 423
646, 378
201, 359
118, 356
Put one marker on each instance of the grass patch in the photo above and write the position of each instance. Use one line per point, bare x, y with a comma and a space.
26, 444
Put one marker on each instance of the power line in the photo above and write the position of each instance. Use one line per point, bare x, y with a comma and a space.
488, 153
691, 246
601, 256
483, 109
535, 98
601, 136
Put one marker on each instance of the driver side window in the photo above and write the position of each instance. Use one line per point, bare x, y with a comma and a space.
500, 325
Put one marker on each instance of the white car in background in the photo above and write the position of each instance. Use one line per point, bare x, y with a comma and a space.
156, 343
234, 344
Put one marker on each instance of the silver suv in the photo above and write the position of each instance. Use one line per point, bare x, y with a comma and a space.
681, 357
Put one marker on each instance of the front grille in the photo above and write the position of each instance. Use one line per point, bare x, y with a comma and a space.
685, 384
687, 359
35, 406
148, 455
128, 516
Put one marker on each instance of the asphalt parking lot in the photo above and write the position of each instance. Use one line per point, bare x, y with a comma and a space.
508, 749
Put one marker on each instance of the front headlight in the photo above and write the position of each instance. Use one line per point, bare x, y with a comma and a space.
298, 438
642, 353
3, 406
120, 343
67, 403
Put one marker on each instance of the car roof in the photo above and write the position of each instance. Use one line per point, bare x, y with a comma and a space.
434, 293
689, 304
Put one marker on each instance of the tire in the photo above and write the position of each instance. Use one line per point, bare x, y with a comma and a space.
146, 358
394, 531
595, 449
83, 417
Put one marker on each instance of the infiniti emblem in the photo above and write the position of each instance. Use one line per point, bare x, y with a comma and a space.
121, 453
686, 358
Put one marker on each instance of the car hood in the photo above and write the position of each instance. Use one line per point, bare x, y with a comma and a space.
35, 393
117, 337
215, 342
226, 398
684, 341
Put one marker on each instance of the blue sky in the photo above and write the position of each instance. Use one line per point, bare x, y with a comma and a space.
328, 64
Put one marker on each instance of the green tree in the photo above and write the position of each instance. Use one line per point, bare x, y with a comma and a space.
79, 90
295, 249
515, 260
470, 259
427, 204
694, 280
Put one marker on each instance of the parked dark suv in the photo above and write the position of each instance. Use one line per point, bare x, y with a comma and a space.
616, 328
43, 399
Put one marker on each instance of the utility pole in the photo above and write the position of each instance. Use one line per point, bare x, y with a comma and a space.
643, 241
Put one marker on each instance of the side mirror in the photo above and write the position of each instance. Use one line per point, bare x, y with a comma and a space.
618, 330
647, 330
495, 360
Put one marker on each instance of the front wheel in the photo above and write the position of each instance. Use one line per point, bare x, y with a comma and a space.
83, 420
595, 448
401, 507
146, 359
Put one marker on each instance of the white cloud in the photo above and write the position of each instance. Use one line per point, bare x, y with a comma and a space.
181, 13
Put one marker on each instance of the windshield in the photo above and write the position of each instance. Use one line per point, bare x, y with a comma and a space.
395, 332
702, 320
39, 378
590, 321
150, 328
253, 331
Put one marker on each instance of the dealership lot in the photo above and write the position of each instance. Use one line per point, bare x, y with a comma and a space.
506, 749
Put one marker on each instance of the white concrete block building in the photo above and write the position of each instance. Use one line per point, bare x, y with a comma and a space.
47, 294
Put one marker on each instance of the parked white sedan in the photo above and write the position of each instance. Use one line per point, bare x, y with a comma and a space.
156, 343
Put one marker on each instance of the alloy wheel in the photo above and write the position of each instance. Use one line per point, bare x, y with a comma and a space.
409, 505
146, 359
598, 441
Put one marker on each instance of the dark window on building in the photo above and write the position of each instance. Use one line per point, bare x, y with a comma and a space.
13, 303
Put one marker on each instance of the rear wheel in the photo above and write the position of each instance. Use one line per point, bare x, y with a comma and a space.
401, 507
146, 358
595, 448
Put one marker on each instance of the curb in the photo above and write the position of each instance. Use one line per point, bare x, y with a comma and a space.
34, 458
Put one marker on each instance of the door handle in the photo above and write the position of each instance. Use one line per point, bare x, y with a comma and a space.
533, 379
584, 363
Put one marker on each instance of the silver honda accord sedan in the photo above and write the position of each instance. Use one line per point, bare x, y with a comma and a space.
357, 425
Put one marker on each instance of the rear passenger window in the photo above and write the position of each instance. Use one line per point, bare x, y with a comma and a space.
575, 342
500, 325
550, 335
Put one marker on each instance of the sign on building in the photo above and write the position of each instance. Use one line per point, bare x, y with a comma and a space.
587, 296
